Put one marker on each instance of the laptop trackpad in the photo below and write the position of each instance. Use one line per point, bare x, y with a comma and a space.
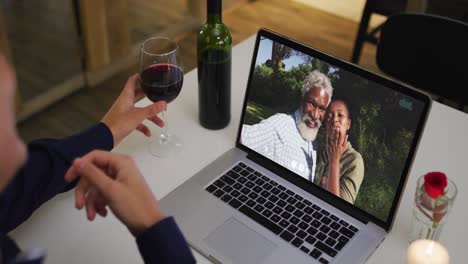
239, 243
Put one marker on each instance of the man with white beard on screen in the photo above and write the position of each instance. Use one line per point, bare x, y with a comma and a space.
290, 139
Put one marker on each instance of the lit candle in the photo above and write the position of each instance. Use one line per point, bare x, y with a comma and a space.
425, 251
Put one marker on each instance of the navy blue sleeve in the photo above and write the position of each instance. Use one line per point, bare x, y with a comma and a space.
164, 243
42, 176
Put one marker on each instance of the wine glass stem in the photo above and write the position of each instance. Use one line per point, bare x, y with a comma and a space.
164, 137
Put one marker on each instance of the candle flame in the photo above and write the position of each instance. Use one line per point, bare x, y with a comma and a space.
430, 248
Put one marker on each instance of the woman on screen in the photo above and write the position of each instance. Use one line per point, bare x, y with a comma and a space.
340, 168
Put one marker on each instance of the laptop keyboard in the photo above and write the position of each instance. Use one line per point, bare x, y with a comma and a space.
305, 225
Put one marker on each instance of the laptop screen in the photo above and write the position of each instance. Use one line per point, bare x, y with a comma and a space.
338, 130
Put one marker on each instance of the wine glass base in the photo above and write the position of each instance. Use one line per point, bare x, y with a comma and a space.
164, 147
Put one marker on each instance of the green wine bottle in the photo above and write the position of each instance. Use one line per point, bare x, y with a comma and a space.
214, 69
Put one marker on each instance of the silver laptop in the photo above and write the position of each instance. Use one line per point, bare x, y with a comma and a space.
279, 196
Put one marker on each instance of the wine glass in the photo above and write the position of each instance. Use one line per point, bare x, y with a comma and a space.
161, 78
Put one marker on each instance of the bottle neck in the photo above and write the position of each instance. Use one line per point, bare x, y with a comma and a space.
214, 8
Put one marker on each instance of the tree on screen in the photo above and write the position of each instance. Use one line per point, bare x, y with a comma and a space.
381, 129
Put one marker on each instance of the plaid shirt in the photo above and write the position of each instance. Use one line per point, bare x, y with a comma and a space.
278, 139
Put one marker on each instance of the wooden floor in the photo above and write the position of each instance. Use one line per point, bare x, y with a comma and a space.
149, 17
327, 32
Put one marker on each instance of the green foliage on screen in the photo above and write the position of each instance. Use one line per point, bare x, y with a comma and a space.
382, 141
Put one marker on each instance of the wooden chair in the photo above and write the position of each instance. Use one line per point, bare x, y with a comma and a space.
381, 7
429, 52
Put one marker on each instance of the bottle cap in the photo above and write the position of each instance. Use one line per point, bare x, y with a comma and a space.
214, 6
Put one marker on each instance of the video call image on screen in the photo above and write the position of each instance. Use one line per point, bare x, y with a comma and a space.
344, 133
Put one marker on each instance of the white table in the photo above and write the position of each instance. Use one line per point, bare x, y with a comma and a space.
70, 238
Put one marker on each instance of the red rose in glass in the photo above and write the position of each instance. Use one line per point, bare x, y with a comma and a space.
435, 183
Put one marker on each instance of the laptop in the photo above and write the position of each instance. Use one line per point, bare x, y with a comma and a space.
269, 200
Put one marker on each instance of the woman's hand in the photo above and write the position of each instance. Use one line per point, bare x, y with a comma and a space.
336, 145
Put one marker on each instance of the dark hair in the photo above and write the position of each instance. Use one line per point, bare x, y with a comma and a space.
346, 102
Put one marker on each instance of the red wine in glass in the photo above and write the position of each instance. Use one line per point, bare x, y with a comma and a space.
161, 77
162, 82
